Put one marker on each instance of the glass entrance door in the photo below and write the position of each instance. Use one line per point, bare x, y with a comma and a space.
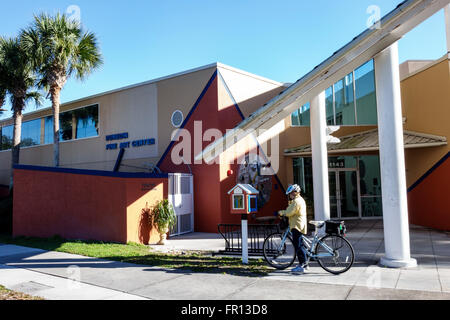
332, 178
344, 195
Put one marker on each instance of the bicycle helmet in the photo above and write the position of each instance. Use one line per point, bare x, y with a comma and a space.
293, 188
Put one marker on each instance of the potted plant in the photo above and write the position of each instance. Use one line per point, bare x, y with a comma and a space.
163, 218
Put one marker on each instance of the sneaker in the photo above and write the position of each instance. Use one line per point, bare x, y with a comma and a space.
305, 266
298, 269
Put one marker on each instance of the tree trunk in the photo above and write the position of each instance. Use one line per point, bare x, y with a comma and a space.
55, 96
18, 106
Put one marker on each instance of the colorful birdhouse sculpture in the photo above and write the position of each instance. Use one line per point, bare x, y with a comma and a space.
244, 199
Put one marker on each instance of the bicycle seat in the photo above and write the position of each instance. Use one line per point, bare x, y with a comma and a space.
317, 224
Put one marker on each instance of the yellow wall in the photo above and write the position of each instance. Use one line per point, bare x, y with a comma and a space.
178, 93
426, 106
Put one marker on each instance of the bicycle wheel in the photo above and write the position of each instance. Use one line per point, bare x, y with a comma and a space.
277, 254
343, 254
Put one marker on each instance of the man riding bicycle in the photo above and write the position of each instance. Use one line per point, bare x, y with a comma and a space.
296, 212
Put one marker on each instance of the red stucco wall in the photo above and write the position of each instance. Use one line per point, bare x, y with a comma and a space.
429, 201
82, 206
211, 184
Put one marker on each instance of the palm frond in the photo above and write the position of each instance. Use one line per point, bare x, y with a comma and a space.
17, 77
59, 49
35, 96
87, 56
2, 98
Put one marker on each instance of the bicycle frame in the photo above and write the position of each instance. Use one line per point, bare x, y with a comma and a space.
311, 245
280, 257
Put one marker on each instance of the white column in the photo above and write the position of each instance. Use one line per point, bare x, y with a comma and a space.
320, 158
447, 25
244, 234
392, 160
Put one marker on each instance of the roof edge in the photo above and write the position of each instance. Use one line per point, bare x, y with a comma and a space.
426, 67
132, 86
440, 142
249, 74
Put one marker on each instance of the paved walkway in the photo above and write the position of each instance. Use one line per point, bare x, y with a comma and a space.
54, 275
431, 248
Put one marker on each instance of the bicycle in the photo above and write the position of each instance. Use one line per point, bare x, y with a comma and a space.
332, 251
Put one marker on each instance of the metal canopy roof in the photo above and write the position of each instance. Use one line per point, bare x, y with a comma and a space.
368, 141
361, 49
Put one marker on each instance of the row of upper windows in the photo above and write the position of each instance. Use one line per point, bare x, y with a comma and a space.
349, 102
75, 124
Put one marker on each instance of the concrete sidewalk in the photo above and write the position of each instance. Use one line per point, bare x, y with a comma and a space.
431, 248
54, 275
52, 286
61, 276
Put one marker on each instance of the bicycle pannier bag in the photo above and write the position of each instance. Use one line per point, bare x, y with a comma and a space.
335, 227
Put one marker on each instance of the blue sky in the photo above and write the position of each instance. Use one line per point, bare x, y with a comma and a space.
281, 40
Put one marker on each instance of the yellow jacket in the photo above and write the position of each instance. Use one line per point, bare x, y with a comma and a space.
296, 212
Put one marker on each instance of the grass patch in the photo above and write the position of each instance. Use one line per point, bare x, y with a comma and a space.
141, 254
6, 294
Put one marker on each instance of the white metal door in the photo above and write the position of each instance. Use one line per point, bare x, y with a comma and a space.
181, 195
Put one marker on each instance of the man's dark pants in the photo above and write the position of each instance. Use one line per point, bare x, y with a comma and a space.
299, 247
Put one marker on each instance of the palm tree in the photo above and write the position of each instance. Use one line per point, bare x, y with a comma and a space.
2, 98
60, 48
17, 80
2, 86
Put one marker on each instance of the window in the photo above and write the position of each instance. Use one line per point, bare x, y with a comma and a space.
65, 129
48, 130
302, 117
329, 106
7, 137
350, 101
76, 124
30, 135
238, 202
344, 101
303, 176
295, 119
368, 167
342, 162
366, 100
86, 121
177, 118
370, 184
